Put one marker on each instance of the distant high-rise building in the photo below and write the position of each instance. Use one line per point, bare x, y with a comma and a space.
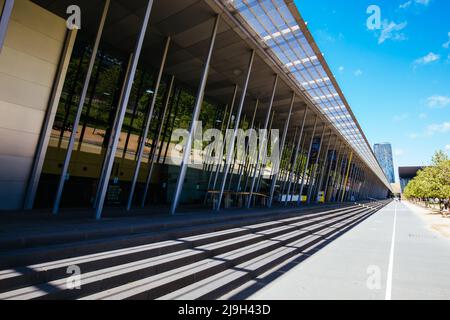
383, 152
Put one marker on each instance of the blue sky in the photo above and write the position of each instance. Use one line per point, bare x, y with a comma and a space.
396, 78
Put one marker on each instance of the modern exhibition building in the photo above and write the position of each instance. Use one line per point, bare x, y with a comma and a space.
88, 114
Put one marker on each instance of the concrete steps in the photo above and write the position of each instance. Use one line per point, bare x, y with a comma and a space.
55, 269
183, 266
89, 242
220, 284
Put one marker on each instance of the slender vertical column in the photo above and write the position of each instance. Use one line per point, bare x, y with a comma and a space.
322, 172
335, 155
283, 142
312, 178
290, 164
172, 125
247, 148
76, 122
262, 147
355, 181
111, 136
139, 94
299, 169
251, 169
348, 188
91, 98
352, 182
233, 166
148, 120
49, 118
195, 115
123, 108
216, 165
264, 158
337, 176
308, 159
173, 101
207, 164
4, 20
220, 164
341, 178
230, 148
151, 159
346, 176
256, 171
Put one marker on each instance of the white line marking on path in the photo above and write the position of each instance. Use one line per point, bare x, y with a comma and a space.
391, 260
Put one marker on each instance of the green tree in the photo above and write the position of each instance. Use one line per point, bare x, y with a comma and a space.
432, 181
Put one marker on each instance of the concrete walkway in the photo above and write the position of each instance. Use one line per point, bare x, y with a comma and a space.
395, 254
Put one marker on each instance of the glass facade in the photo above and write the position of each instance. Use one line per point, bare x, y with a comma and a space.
96, 125
383, 152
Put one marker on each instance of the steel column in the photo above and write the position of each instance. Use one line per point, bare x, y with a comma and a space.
233, 166
312, 178
263, 141
230, 148
299, 202
247, 158
283, 142
111, 137
260, 174
76, 122
337, 176
214, 166
322, 173
151, 159
4, 20
336, 154
123, 108
195, 115
290, 164
49, 117
220, 164
148, 121
346, 176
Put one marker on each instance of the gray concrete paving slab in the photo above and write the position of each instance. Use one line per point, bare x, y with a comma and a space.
373, 262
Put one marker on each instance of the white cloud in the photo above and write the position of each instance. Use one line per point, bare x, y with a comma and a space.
438, 128
423, 115
405, 5
391, 31
423, 2
341, 69
447, 44
358, 73
438, 101
413, 136
447, 148
429, 58
408, 4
